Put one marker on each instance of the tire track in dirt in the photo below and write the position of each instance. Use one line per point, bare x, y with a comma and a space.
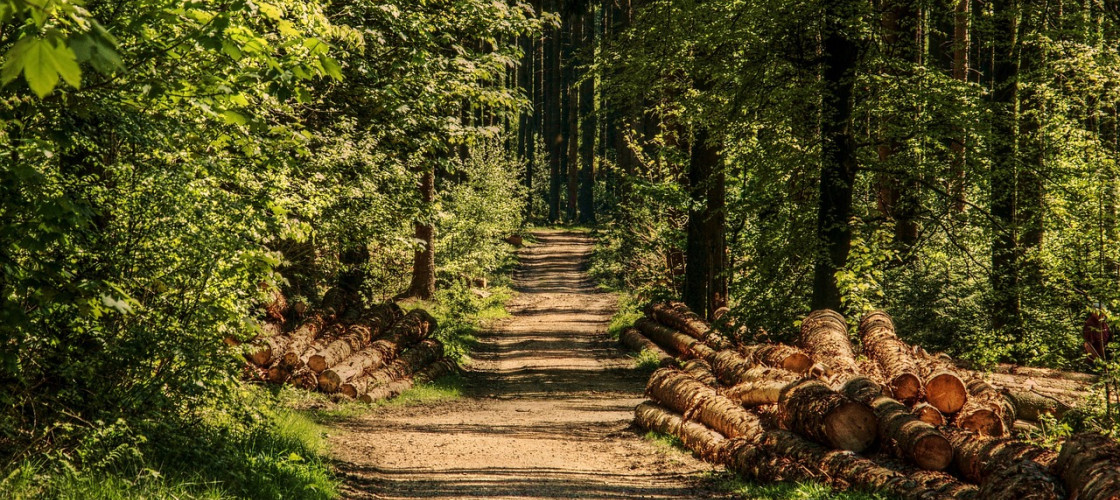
546, 414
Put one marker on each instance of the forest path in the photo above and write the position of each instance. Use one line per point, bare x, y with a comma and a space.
546, 411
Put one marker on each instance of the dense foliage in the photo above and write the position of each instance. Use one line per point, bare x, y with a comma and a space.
925, 227
170, 165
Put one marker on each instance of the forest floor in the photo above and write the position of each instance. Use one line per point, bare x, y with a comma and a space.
546, 409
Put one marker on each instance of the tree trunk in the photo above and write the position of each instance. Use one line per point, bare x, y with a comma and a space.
809, 407
637, 342
678, 391
553, 113
1006, 314
824, 336
1089, 465
838, 156
569, 120
988, 461
920, 442
424, 259
587, 126
669, 339
395, 388
778, 356
962, 20
410, 361
987, 412
705, 284
881, 344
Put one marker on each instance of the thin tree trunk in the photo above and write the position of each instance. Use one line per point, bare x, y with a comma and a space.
554, 139
424, 259
962, 19
588, 127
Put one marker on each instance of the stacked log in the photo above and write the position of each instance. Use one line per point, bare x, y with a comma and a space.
369, 357
637, 342
754, 411
876, 330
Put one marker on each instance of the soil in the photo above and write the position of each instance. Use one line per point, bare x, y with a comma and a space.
546, 413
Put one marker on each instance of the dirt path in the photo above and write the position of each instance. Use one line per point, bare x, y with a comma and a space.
547, 413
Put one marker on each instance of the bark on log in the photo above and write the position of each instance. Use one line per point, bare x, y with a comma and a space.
373, 357
703, 441
777, 355
680, 392
260, 353
674, 341
273, 348
303, 340
700, 370
633, 339
1089, 465
880, 343
680, 317
920, 442
988, 412
396, 387
412, 328
928, 414
356, 338
410, 361
1005, 468
1032, 405
1069, 392
824, 336
808, 406
1080, 378
784, 455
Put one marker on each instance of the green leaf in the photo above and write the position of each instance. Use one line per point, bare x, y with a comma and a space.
331, 67
39, 67
233, 117
67, 65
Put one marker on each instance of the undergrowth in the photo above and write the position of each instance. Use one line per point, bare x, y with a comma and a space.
258, 450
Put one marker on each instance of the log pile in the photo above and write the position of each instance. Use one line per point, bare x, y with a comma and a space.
899, 420
365, 353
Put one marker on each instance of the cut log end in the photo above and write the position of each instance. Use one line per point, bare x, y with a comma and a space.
983, 422
946, 392
928, 414
797, 362
906, 387
933, 452
851, 426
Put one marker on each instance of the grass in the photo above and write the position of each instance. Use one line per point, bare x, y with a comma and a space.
646, 361
277, 453
666, 442
737, 485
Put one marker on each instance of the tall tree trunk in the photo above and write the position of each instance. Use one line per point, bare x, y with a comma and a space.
569, 121
588, 127
898, 192
424, 259
554, 139
1006, 315
962, 20
838, 156
1032, 158
705, 284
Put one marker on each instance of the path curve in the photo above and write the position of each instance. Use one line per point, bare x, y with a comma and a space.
547, 411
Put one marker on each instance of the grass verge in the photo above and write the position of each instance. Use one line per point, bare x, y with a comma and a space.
266, 452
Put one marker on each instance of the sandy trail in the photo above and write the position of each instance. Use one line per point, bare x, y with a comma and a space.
547, 412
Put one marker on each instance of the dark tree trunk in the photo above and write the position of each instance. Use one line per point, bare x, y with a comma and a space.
588, 128
1006, 314
705, 284
838, 157
554, 139
898, 190
424, 260
962, 20
569, 120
